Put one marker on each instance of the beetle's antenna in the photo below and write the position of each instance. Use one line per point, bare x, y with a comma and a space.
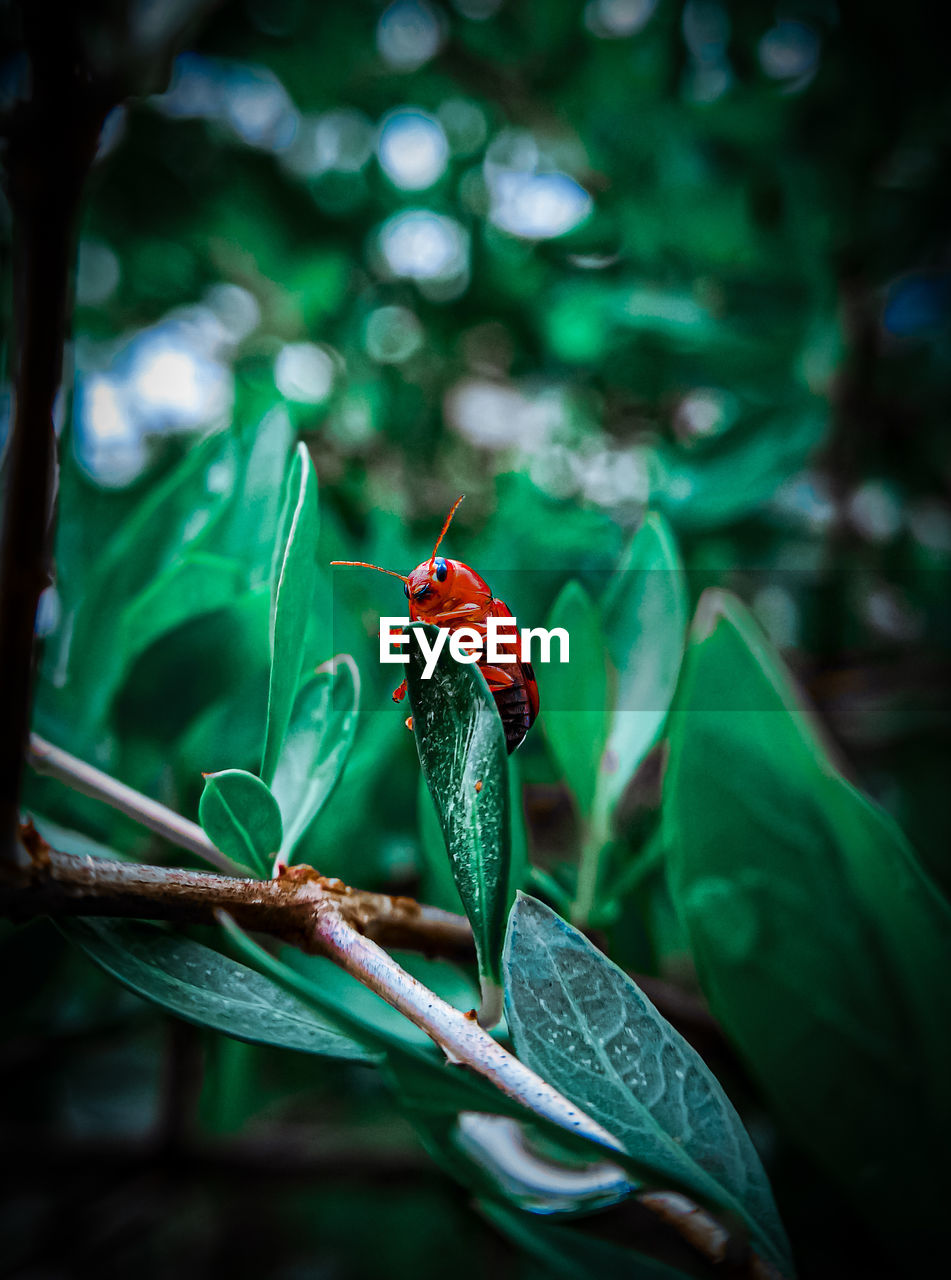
447, 524
362, 564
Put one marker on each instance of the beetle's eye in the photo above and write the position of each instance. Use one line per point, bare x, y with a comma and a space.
406, 590
442, 569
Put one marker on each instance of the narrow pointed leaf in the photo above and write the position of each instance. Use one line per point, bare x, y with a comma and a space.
202, 986
645, 620
574, 694
292, 589
240, 816
462, 752
66, 840
822, 946
316, 747
196, 584
178, 513
439, 887
585, 1026
249, 531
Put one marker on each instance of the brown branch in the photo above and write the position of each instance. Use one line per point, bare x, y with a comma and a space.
324, 916
61, 884
683, 1010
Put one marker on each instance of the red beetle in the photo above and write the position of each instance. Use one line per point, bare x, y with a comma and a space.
447, 593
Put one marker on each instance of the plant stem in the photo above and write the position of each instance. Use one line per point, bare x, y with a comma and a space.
52, 142
61, 884
595, 839
458, 1034
325, 916
56, 763
446, 933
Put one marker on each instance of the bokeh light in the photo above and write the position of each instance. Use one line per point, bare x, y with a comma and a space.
790, 50
392, 335
618, 19
425, 246
408, 34
249, 100
412, 148
171, 377
338, 141
527, 199
97, 273
304, 372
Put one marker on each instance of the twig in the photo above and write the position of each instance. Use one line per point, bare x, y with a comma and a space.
465, 1043
62, 884
311, 912
327, 917
56, 763
457, 1034
453, 938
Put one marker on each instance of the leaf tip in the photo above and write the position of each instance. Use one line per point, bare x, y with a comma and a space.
712, 608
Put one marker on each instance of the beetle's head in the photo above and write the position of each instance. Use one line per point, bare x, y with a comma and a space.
437, 585
430, 585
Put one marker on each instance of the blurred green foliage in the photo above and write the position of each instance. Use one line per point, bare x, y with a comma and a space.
587, 263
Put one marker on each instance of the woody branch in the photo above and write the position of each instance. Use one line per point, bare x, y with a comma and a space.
324, 916
397, 922
62, 884
319, 915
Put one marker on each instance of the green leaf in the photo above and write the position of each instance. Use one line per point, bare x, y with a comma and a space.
645, 619
208, 661
461, 743
292, 590
438, 885
585, 1026
574, 694
567, 1251
202, 986
249, 529
177, 513
196, 584
529, 1168
240, 815
529, 1165
821, 945
316, 747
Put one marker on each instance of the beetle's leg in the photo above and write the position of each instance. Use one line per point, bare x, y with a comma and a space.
399, 693
497, 678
